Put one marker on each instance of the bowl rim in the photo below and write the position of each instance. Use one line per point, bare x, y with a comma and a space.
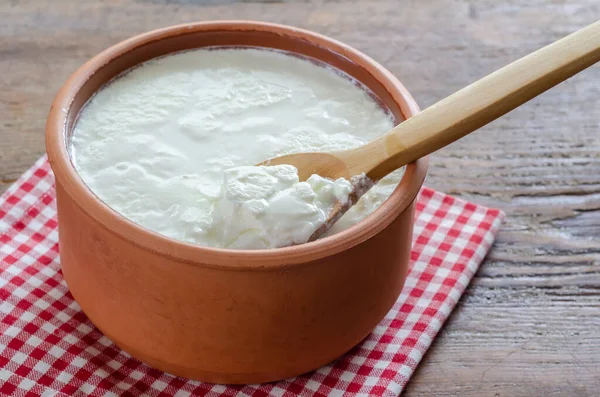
221, 258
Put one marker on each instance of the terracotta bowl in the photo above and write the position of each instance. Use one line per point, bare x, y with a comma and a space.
218, 315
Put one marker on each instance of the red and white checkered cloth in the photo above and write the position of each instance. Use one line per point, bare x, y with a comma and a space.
48, 347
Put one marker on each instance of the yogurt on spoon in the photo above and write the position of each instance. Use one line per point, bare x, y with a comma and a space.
170, 145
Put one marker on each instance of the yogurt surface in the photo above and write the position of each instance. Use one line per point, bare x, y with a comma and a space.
171, 145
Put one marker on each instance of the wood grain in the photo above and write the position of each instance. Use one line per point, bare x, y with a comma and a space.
529, 324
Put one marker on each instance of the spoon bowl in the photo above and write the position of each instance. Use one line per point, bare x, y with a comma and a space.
327, 165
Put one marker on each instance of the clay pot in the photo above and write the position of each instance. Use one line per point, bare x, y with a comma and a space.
218, 315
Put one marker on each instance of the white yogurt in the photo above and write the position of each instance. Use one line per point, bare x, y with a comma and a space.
171, 144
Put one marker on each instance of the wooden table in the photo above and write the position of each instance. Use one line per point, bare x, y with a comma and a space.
529, 324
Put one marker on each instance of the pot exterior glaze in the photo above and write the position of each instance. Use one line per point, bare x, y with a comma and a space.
217, 315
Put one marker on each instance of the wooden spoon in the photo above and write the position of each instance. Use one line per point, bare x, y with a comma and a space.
453, 117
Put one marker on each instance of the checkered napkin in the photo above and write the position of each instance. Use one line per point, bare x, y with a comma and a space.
48, 347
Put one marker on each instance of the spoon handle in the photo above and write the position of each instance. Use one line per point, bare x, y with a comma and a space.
480, 103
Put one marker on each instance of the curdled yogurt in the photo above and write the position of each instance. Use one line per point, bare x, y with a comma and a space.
171, 145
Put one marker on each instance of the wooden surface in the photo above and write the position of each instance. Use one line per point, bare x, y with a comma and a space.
529, 324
